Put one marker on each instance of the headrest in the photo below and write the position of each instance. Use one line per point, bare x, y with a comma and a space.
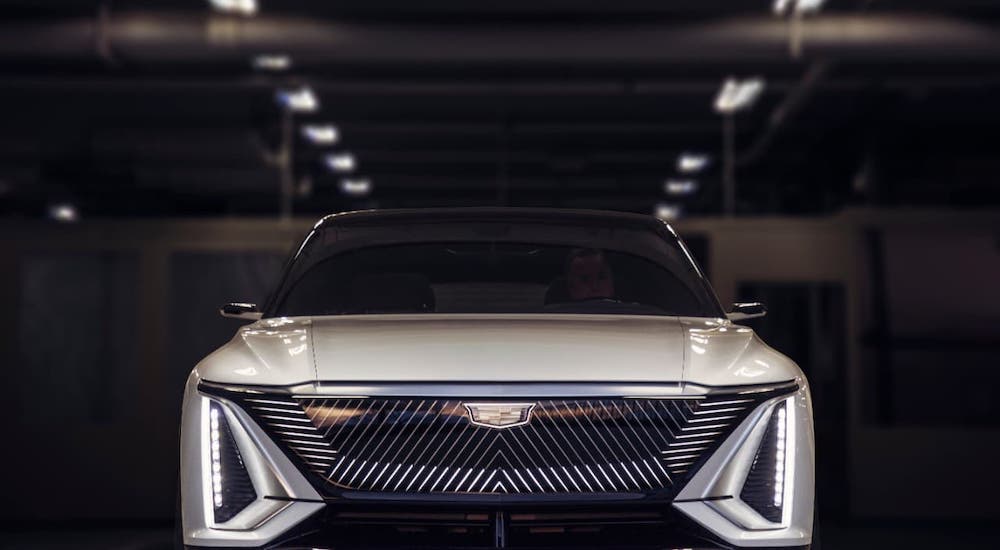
391, 293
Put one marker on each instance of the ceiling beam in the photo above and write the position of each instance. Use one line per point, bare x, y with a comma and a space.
147, 38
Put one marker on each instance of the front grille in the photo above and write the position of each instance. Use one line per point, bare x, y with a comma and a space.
429, 446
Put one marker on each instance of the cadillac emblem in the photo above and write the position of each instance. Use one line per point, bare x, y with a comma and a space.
499, 415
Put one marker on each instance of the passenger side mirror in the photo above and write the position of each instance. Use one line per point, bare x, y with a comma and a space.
746, 310
236, 310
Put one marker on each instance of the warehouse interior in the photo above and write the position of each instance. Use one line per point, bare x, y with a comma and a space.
836, 160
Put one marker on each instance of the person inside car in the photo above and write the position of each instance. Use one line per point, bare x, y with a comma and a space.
588, 275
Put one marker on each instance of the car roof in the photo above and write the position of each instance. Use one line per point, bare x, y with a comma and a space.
501, 214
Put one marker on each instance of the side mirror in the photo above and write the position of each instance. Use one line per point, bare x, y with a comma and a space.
746, 310
237, 310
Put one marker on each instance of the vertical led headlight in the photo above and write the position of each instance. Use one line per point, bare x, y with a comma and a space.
767, 486
227, 483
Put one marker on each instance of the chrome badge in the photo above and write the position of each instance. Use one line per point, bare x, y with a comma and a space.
499, 415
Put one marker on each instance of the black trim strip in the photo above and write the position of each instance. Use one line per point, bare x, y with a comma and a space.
706, 499
290, 499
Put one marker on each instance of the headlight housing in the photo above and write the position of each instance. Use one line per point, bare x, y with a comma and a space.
757, 488
764, 488
226, 477
237, 487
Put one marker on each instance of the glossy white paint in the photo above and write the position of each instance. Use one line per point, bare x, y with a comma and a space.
496, 348
720, 353
268, 352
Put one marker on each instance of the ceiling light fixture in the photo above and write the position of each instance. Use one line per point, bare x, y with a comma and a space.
321, 134
272, 62
356, 187
667, 212
680, 187
340, 162
689, 163
298, 100
783, 7
238, 7
65, 213
738, 95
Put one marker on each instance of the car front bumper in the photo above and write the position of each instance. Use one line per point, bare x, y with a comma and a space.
291, 513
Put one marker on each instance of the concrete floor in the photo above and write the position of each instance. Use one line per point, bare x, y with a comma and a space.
854, 537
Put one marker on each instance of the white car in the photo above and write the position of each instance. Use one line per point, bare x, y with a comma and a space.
495, 378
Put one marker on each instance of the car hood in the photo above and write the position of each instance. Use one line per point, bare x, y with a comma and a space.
488, 348
494, 348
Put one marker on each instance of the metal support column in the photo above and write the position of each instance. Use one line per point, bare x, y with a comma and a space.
285, 167
728, 165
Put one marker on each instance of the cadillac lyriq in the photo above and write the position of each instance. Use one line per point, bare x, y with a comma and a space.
495, 378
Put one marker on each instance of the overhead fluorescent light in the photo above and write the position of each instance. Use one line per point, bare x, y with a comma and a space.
66, 213
238, 7
356, 187
321, 134
298, 100
808, 6
689, 163
738, 95
272, 62
782, 7
340, 162
667, 212
680, 187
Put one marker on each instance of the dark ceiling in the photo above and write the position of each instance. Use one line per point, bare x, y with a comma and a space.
132, 108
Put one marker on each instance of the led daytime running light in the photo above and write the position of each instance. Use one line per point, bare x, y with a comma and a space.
779, 459
216, 456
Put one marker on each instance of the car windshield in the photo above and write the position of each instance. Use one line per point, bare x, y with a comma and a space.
494, 269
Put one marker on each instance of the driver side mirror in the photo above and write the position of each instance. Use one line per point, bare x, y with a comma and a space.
237, 310
746, 310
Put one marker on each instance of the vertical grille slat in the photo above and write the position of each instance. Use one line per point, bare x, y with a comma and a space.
430, 446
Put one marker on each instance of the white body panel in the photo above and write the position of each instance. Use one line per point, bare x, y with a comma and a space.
496, 348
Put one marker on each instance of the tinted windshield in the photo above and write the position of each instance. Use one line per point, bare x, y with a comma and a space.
569, 271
